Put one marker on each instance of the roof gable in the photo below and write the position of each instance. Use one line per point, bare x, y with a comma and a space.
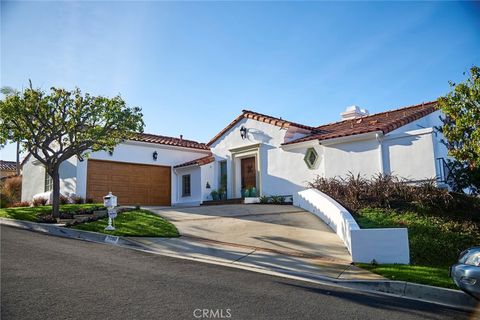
247, 114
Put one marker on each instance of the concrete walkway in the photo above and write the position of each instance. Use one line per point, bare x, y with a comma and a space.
262, 236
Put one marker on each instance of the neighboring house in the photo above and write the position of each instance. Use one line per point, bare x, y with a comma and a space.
276, 156
7, 168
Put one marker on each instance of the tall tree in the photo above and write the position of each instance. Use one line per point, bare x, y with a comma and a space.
461, 128
58, 125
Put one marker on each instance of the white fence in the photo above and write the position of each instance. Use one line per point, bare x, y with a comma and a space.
385, 245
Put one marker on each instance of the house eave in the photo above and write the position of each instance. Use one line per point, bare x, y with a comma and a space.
164, 146
352, 138
304, 144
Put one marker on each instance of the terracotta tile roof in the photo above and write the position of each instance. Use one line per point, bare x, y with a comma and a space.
8, 165
200, 161
385, 121
247, 114
170, 141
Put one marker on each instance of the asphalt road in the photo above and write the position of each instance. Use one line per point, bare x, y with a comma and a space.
45, 277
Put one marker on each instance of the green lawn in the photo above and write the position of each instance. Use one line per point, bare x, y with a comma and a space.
435, 243
418, 274
136, 223
32, 213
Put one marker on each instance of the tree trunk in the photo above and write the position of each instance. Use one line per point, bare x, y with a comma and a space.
56, 193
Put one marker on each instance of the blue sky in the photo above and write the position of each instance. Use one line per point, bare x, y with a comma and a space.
194, 66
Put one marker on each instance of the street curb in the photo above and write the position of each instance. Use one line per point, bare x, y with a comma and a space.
65, 232
446, 297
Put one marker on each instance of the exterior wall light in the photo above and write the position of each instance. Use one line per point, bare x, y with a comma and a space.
155, 155
243, 132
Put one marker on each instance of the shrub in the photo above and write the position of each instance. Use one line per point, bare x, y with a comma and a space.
12, 187
21, 204
214, 194
40, 201
277, 199
46, 218
10, 191
64, 199
78, 200
89, 200
66, 215
385, 191
4, 200
264, 199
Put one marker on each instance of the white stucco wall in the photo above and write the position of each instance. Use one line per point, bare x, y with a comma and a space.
411, 150
356, 157
33, 178
142, 153
410, 155
281, 172
208, 176
195, 197
68, 176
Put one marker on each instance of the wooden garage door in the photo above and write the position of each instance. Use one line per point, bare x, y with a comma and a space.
131, 183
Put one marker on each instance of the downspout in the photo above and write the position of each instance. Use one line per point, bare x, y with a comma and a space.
379, 136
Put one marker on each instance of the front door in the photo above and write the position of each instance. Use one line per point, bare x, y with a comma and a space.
249, 173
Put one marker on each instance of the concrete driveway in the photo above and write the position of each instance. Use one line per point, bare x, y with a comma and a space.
275, 228
260, 236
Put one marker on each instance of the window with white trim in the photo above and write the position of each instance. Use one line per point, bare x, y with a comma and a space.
186, 192
48, 182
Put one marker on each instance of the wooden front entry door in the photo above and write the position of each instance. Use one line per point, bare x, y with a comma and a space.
249, 173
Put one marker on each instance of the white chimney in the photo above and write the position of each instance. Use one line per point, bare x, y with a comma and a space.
353, 112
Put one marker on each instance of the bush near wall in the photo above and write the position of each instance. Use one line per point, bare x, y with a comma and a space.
384, 191
440, 223
10, 191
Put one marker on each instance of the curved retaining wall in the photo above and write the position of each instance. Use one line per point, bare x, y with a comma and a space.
384, 245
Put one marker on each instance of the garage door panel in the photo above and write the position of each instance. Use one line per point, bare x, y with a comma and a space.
132, 183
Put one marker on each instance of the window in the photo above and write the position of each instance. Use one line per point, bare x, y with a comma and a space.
186, 185
48, 182
311, 158
223, 178
443, 170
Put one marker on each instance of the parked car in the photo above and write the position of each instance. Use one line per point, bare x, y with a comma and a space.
466, 273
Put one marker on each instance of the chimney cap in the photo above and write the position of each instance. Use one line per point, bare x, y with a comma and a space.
353, 112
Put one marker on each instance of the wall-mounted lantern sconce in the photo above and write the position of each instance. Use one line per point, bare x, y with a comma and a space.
243, 132
207, 186
155, 155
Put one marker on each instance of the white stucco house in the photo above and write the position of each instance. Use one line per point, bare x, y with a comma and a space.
276, 156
